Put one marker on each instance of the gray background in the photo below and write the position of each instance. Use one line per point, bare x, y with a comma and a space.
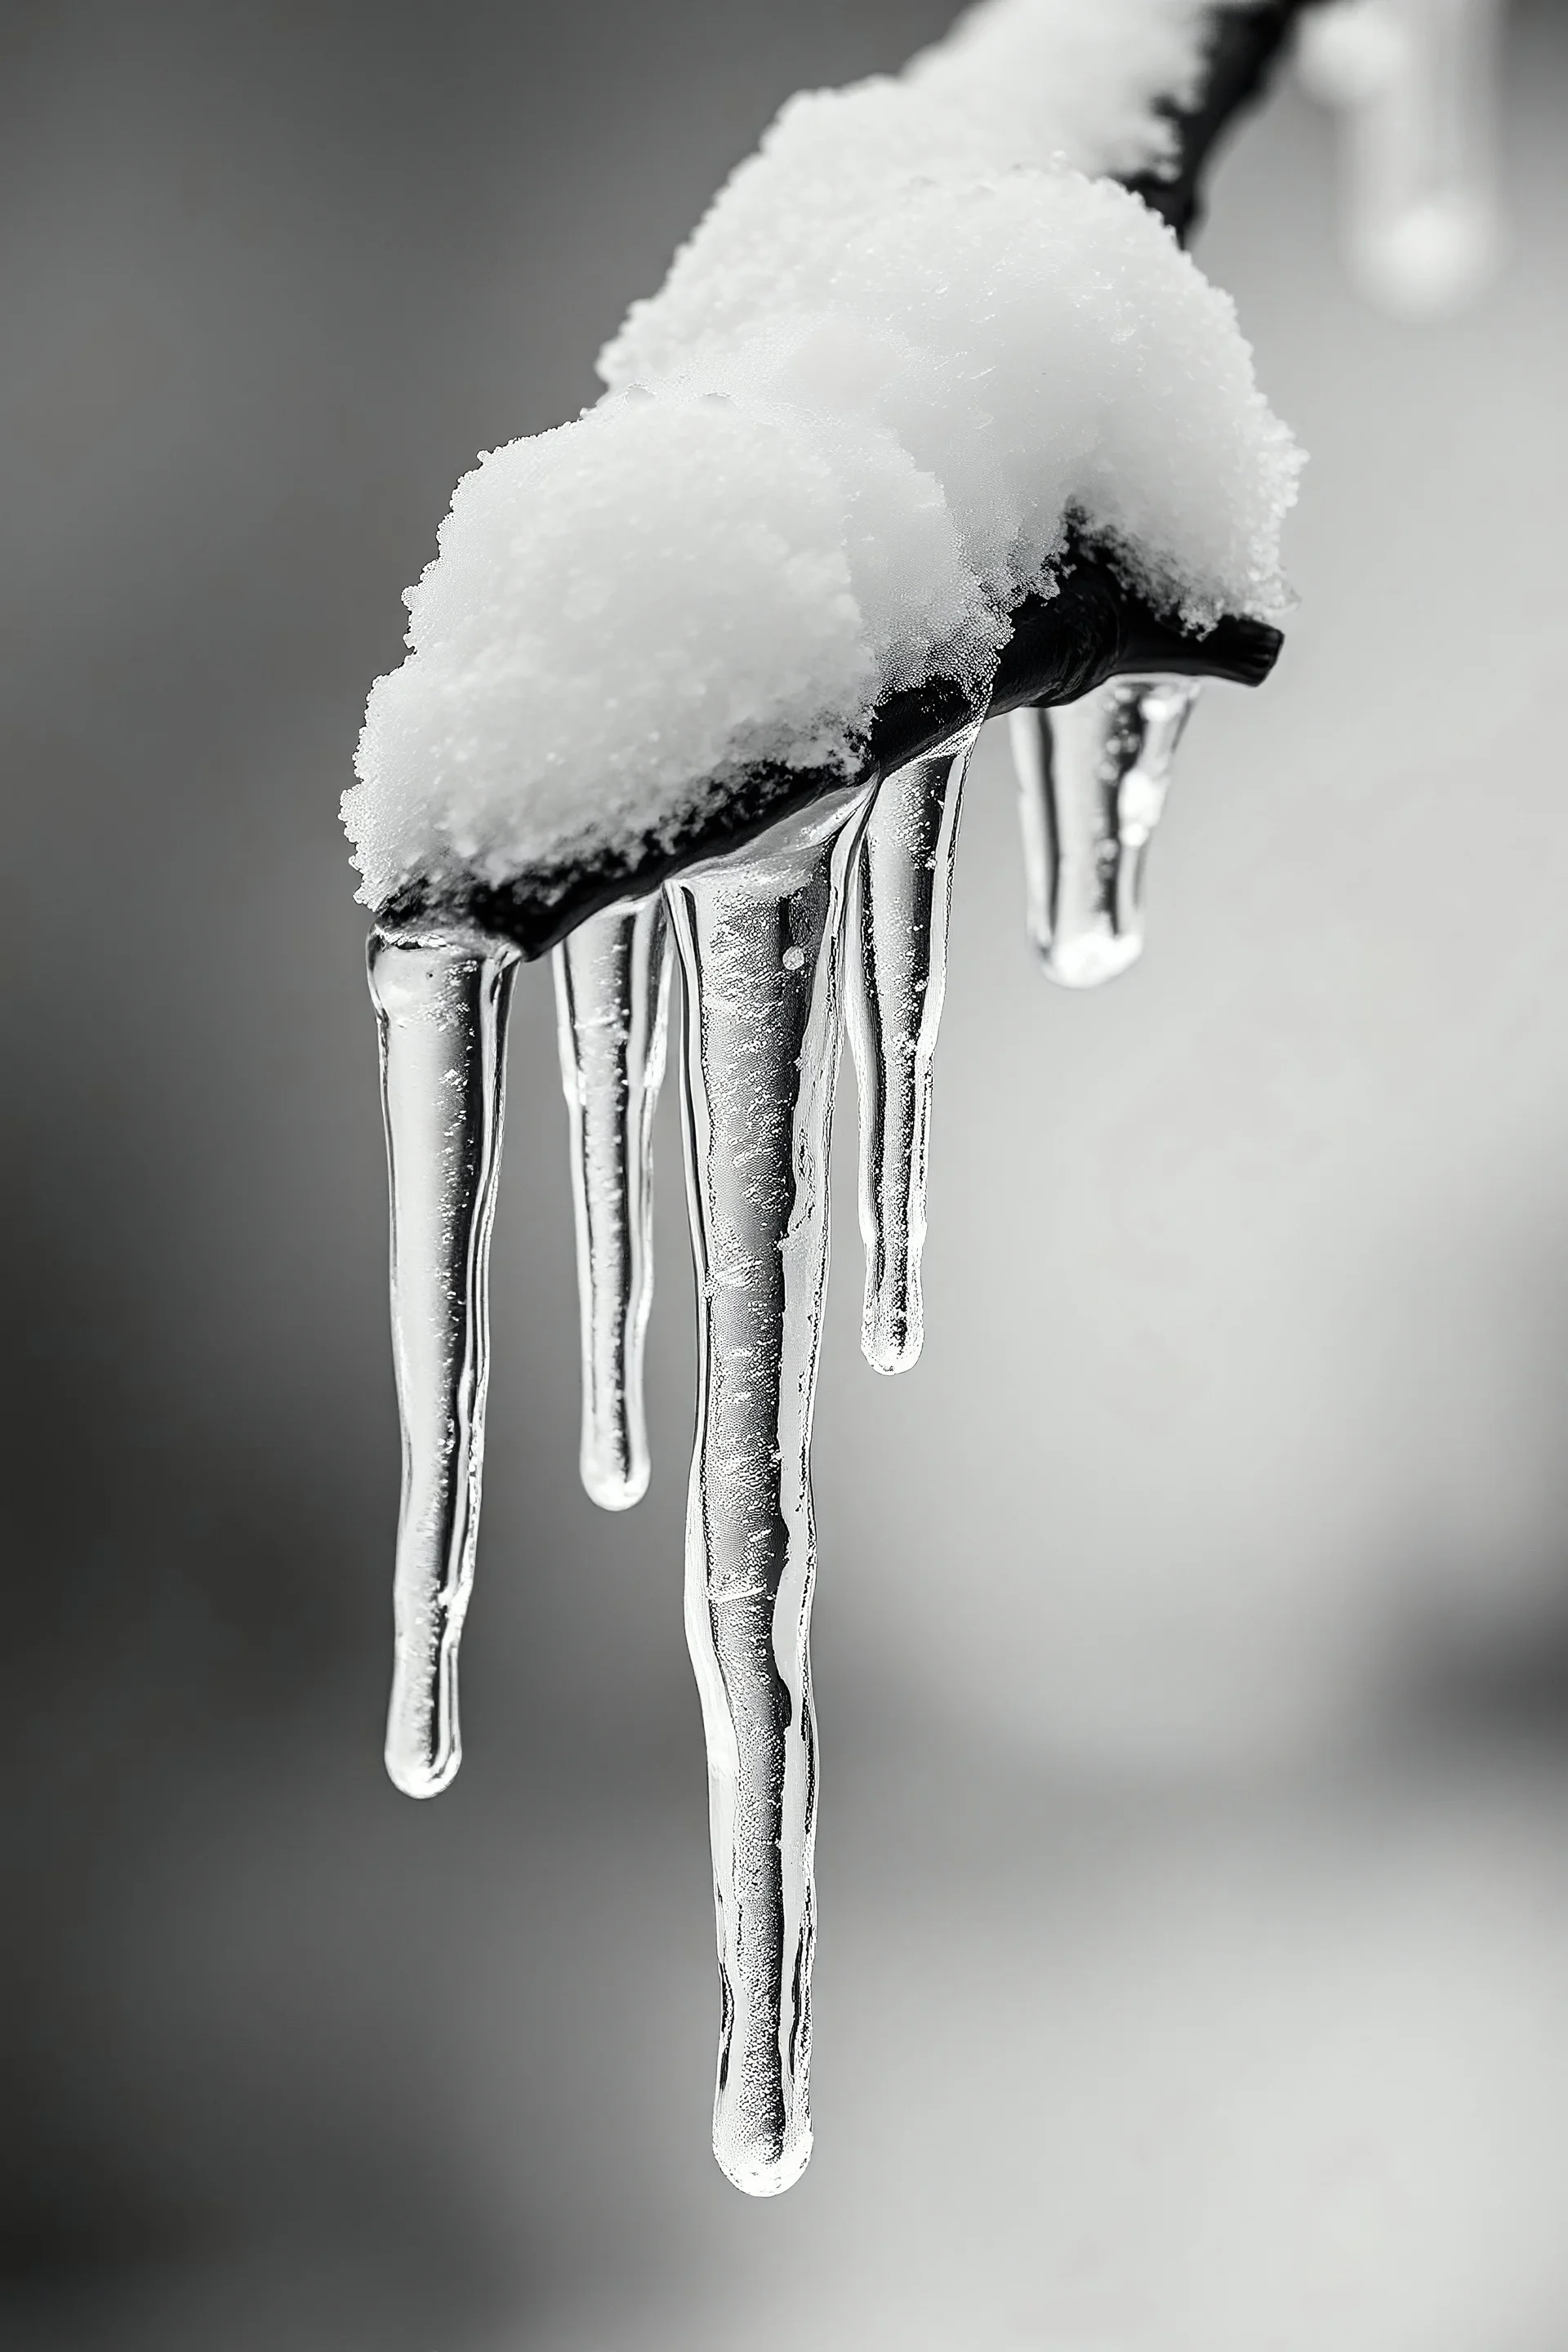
1192, 1633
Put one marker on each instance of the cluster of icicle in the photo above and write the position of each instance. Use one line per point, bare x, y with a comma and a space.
839, 915
842, 910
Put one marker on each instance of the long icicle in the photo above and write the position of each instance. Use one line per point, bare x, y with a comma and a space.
1092, 779
760, 942
895, 981
441, 1009
612, 996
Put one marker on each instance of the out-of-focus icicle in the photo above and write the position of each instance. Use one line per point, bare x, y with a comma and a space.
441, 1009
1092, 778
759, 937
612, 993
1414, 82
895, 979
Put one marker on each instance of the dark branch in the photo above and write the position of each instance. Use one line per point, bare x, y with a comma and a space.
1245, 44
1093, 628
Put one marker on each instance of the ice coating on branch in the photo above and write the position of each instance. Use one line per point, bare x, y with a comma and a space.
1015, 82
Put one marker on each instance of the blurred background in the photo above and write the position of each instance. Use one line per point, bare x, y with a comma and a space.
1192, 1642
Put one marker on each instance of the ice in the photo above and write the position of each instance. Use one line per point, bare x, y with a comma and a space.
760, 942
896, 976
1416, 84
612, 991
1092, 778
441, 1011
1017, 83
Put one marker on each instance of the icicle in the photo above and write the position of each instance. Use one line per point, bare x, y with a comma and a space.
1092, 777
760, 940
895, 979
612, 993
441, 1008
1414, 82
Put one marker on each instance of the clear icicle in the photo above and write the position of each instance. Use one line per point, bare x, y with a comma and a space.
1414, 82
895, 979
441, 1009
612, 995
760, 940
1092, 778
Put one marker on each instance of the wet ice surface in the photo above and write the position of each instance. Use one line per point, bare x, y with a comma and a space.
441, 1012
896, 967
612, 992
1092, 780
761, 940
763, 935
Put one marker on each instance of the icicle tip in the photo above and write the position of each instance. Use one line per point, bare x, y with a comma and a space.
422, 1775
765, 2176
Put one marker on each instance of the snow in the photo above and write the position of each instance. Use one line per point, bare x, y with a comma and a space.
906, 351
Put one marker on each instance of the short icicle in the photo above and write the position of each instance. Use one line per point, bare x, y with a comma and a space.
760, 940
895, 981
441, 1009
612, 995
1092, 779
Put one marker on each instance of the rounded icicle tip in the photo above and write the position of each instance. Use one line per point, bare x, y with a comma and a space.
1017, 86
765, 2176
442, 1008
422, 1773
